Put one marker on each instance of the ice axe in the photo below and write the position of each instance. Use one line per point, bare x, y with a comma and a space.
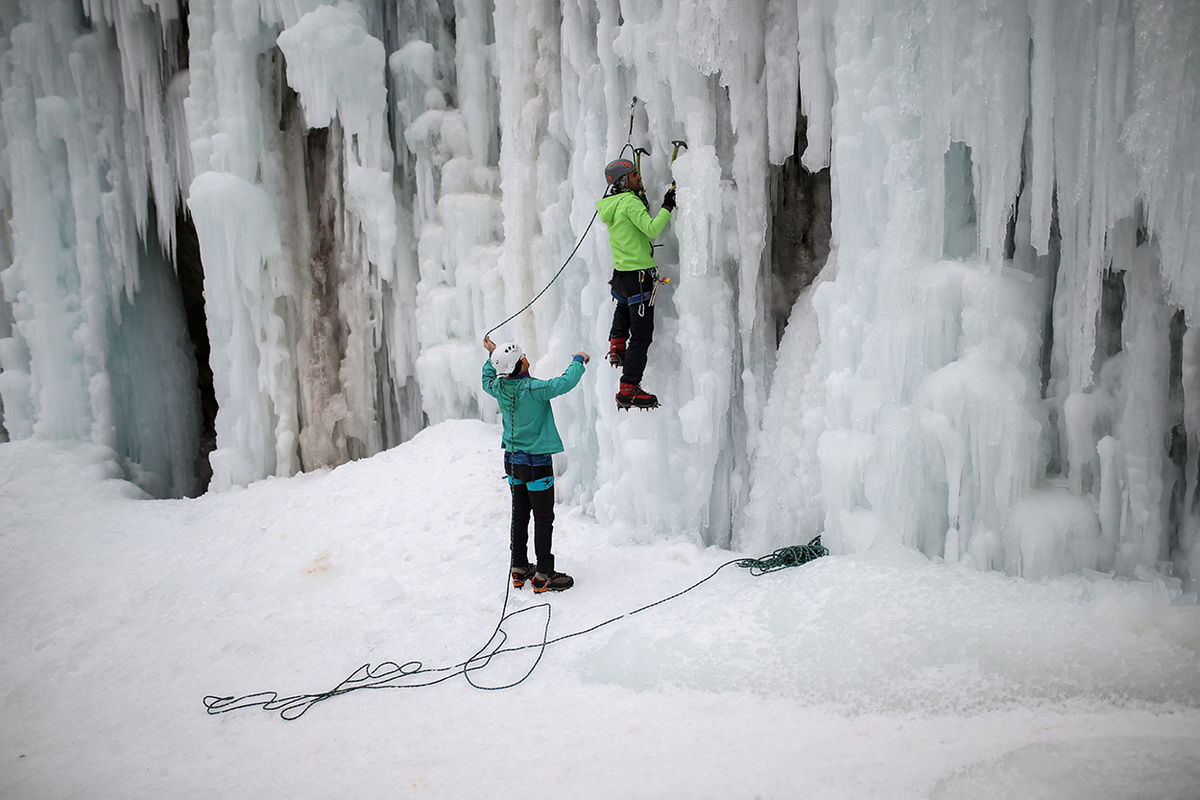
638, 152
675, 153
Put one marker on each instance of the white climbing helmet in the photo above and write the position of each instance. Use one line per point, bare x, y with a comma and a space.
506, 356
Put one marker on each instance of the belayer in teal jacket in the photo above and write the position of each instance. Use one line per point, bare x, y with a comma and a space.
625, 212
530, 438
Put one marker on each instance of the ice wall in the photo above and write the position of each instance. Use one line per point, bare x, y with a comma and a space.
294, 206
996, 366
90, 194
682, 470
1005, 326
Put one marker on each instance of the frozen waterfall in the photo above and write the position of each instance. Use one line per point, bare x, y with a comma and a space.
933, 271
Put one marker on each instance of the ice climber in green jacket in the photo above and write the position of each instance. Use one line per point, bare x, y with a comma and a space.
530, 439
625, 212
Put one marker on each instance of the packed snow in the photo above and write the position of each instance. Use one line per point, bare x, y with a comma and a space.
933, 296
872, 675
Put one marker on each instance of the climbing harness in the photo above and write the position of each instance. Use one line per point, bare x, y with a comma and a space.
414, 675
642, 299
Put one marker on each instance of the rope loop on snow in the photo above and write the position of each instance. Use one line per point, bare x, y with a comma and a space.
414, 674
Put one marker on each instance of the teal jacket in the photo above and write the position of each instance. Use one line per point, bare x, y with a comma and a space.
525, 407
630, 229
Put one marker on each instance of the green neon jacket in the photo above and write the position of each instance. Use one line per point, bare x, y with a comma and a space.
525, 407
630, 229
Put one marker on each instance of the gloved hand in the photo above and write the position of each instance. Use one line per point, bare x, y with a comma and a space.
669, 199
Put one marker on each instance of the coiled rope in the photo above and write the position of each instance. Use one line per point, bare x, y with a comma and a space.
414, 675
785, 557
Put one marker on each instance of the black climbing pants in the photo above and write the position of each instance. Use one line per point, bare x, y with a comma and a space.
633, 321
541, 504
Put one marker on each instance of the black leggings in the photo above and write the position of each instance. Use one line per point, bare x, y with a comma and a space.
541, 504
635, 322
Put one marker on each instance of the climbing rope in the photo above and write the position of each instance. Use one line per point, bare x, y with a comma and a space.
414, 675
785, 557
574, 250
628, 146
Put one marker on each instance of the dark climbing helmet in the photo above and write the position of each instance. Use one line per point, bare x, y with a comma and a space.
618, 169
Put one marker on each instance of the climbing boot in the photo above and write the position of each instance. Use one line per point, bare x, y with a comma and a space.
520, 575
554, 582
616, 352
634, 396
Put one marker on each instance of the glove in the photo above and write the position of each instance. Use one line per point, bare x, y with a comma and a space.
669, 199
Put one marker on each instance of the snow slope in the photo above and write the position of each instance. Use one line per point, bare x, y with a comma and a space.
876, 675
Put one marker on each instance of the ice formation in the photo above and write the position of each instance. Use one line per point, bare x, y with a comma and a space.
933, 268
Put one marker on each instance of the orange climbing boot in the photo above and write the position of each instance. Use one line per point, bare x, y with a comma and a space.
634, 396
520, 575
551, 582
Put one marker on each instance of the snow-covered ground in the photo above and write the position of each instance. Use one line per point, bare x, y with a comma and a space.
877, 675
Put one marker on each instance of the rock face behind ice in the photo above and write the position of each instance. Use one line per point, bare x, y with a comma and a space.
931, 278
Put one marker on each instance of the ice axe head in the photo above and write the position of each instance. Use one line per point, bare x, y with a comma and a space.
638, 152
675, 153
